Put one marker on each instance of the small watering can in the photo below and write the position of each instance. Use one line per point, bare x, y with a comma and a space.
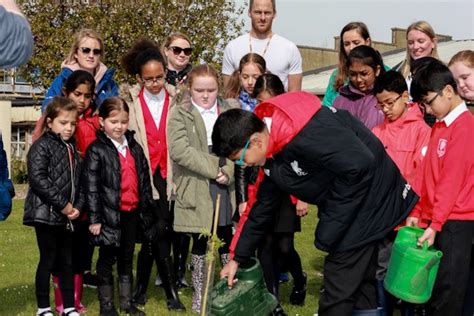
412, 270
249, 296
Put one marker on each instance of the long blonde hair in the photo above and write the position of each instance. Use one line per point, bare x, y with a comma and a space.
78, 37
427, 29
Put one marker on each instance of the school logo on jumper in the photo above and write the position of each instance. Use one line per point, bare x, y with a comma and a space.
443, 143
297, 169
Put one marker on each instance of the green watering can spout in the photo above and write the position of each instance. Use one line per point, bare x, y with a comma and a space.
420, 280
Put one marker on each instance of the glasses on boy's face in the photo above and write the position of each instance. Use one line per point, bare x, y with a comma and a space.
430, 101
87, 50
152, 81
241, 162
388, 104
177, 50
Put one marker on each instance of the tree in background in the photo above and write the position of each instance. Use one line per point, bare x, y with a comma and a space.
210, 24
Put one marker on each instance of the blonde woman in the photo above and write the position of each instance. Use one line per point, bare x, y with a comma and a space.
86, 53
421, 42
177, 49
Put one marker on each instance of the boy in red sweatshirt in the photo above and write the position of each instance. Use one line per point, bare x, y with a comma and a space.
405, 136
446, 186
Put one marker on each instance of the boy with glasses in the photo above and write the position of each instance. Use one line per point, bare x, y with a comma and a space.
446, 186
326, 157
405, 136
403, 132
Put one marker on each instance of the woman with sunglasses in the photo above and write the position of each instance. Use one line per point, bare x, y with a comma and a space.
87, 53
178, 50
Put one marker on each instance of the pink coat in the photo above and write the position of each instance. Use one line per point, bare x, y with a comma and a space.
405, 140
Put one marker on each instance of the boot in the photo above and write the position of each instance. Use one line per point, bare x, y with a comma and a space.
180, 255
169, 285
298, 294
125, 296
144, 266
225, 258
197, 280
78, 294
58, 298
367, 312
106, 298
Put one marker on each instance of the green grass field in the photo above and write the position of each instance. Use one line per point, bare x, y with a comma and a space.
19, 257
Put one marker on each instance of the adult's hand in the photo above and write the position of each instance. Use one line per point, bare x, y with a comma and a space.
229, 271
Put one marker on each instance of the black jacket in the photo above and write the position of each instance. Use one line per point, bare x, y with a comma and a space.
53, 181
336, 163
102, 185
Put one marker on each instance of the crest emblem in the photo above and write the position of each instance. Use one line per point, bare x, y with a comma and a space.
442, 144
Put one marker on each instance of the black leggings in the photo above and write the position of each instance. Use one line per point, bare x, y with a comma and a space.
123, 255
54, 244
82, 251
279, 246
200, 244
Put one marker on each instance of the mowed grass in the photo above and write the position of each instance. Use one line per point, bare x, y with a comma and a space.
19, 258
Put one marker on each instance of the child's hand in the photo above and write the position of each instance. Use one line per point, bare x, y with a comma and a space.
242, 208
222, 178
229, 271
301, 208
412, 221
75, 213
429, 235
95, 229
68, 209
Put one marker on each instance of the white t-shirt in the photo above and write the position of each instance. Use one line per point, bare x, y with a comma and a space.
282, 56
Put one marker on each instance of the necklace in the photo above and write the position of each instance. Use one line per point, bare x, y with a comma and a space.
266, 46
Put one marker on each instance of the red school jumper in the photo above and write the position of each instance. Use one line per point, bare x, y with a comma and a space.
447, 183
156, 136
129, 183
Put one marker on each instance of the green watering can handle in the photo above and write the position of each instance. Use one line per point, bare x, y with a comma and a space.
425, 245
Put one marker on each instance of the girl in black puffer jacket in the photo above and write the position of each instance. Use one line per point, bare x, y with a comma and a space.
54, 200
119, 199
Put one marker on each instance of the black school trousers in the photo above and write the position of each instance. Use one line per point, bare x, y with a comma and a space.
349, 281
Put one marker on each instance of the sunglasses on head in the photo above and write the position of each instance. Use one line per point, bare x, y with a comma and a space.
177, 50
87, 50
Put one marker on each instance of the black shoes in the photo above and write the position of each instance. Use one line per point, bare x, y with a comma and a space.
278, 311
89, 280
298, 294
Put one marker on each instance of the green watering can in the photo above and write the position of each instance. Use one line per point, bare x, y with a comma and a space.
249, 296
412, 270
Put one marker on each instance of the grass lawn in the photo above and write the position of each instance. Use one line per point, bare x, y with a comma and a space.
19, 257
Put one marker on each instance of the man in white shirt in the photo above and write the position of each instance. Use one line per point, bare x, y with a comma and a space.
282, 56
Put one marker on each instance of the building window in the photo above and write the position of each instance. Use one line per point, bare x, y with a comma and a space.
20, 141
